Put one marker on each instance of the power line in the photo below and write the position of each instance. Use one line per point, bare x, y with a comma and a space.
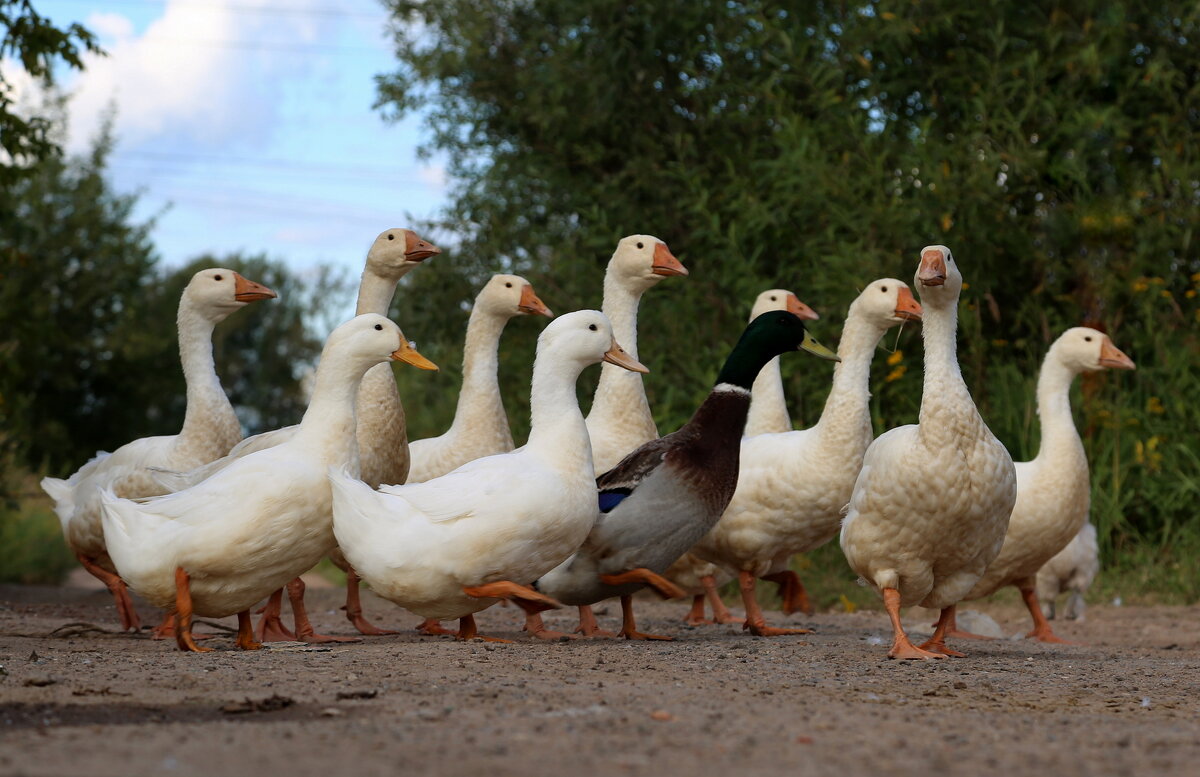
327, 11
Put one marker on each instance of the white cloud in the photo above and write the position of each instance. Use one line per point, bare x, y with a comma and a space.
204, 73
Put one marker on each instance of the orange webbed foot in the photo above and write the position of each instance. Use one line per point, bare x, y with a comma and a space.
905, 650
763, 630
432, 627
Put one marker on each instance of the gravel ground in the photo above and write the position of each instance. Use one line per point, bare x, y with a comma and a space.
713, 702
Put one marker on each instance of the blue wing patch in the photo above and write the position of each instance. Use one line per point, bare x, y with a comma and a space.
610, 499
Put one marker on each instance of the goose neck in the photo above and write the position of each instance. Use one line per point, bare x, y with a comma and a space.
479, 400
847, 405
209, 415
1059, 435
330, 420
944, 392
553, 405
621, 306
375, 293
768, 404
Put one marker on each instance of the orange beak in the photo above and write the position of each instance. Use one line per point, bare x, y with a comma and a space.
932, 271
617, 355
665, 262
248, 291
531, 305
799, 309
1113, 358
407, 354
416, 249
907, 307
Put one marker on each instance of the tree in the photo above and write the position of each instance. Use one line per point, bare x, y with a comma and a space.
818, 146
33, 41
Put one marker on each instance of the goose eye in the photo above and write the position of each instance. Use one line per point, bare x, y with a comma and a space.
1087, 339
508, 285
641, 245
216, 277
391, 237
379, 327
884, 289
592, 327
774, 299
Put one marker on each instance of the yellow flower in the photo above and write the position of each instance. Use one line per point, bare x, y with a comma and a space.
1155, 405
1190, 293
896, 374
965, 286
1140, 285
847, 605
1196, 277
1158, 281
1165, 293
895, 357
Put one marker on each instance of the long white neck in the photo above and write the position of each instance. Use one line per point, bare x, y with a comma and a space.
480, 408
846, 419
620, 396
375, 293
1060, 443
946, 404
210, 427
768, 405
329, 423
556, 423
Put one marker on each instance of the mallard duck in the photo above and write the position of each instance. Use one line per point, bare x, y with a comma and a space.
454, 545
793, 485
1053, 490
219, 547
210, 429
768, 414
931, 504
382, 431
1072, 569
664, 496
620, 418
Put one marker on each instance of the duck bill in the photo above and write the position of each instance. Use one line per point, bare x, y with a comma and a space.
407, 354
617, 355
932, 271
531, 305
418, 250
907, 307
665, 262
800, 310
1113, 358
245, 290
811, 345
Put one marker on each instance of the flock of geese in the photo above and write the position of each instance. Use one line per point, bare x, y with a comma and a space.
934, 513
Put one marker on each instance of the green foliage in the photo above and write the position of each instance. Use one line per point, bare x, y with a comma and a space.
819, 146
29, 529
31, 40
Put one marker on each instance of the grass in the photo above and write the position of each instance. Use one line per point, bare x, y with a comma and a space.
34, 551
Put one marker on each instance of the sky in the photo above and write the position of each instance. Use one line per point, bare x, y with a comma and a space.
246, 125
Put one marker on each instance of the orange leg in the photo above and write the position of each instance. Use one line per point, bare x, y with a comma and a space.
721, 613
791, 590
755, 623
629, 627
353, 609
245, 637
467, 630
695, 616
304, 629
1041, 627
432, 627
270, 626
902, 646
535, 626
937, 643
166, 629
588, 625
660, 585
183, 614
125, 609
952, 629
523, 596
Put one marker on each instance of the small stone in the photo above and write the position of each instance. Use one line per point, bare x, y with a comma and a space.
40, 681
331, 712
661, 715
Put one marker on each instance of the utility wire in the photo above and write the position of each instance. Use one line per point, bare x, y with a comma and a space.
327, 11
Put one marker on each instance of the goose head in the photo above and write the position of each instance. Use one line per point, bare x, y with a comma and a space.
1083, 349
938, 280
782, 299
367, 340
511, 295
396, 251
216, 292
584, 337
641, 261
886, 303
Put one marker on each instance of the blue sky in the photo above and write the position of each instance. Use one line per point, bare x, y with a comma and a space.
247, 124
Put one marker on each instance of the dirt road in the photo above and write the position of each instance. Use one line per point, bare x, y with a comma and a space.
713, 702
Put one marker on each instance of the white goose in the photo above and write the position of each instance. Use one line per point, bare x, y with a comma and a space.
456, 544
210, 429
480, 426
620, 418
1053, 491
768, 414
931, 504
219, 547
1072, 569
382, 431
794, 485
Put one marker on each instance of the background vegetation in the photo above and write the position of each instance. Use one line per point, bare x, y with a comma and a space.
813, 146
